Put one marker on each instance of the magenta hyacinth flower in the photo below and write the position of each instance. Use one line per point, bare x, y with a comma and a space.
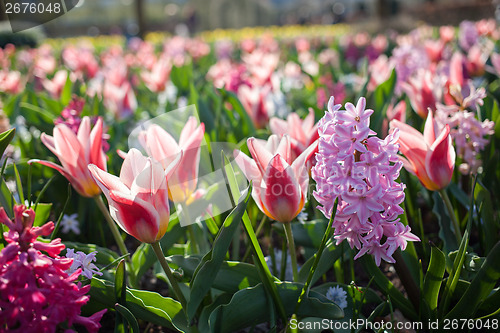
36, 292
360, 170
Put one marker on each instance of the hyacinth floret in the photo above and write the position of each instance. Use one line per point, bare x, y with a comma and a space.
361, 171
36, 293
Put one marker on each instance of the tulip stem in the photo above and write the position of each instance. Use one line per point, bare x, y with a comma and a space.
170, 276
451, 212
112, 225
291, 247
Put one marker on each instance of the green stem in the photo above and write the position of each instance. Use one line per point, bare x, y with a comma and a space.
291, 248
170, 276
112, 225
317, 256
453, 218
192, 236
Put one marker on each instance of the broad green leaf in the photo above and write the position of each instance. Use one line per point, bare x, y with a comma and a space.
454, 277
484, 282
330, 254
210, 264
181, 77
309, 233
244, 125
66, 92
388, 288
445, 232
6, 198
266, 276
133, 324
490, 305
42, 212
120, 295
487, 222
382, 97
434, 278
231, 277
19, 185
144, 305
5, 138
230, 317
120, 282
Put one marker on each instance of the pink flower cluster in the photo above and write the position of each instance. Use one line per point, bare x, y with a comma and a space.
360, 170
36, 293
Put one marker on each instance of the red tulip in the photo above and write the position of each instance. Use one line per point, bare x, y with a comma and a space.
138, 199
431, 156
279, 185
161, 146
75, 152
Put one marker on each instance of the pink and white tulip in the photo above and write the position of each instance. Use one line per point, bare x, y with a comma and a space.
161, 146
138, 199
431, 156
302, 132
279, 185
75, 152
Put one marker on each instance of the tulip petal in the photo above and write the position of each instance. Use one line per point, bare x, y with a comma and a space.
281, 197
301, 165
160, 145
278, 126
74, 182
260, 154
430, 129
136, 217
440, 162
97, 155
69, 150
133, 164
149, 180
83, 136
252, 173
106, 181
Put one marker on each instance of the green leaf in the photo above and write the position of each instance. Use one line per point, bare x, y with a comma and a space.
144, 305
382, 97
134, 325
330, 254
266, 276
244, 125
434, 278
19, 185
488, 224
182, 76
231, 277
210, 264
454, 277
444, 221
42, 212
5, 138
482, 285
388, 288
309, 233
6, 198
120, 282
230, 317
66, 92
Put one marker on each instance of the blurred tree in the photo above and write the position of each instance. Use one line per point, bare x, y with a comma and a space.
141, 23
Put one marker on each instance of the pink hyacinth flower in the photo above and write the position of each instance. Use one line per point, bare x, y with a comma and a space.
431, 156
138, 199
75, 152
279, 185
